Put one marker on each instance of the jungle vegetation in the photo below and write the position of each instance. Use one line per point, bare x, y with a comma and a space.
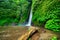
13, 11
46, 13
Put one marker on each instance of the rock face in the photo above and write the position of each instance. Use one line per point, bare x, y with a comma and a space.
25, 33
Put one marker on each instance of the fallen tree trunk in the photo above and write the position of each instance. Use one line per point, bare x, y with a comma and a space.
28, 34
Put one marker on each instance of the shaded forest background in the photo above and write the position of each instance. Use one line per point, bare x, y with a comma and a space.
14, 11
45, 13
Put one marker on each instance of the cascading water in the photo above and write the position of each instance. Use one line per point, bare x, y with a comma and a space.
30, 19
30, 16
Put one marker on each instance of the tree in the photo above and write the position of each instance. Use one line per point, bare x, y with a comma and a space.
13, 11
45, 10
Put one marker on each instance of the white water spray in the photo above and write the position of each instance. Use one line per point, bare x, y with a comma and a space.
30, 19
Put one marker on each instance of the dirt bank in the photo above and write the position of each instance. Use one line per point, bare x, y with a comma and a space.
14, 33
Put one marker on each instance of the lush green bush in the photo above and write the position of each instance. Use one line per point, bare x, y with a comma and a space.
54, 38
53, 24
13, 11
45, 10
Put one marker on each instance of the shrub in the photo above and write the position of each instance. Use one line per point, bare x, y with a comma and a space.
54, 38
44, 10
53, 24
13, 11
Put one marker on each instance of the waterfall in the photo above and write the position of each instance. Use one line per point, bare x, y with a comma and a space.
28, 23
30, 19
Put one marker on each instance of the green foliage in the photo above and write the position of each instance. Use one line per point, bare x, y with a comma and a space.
29, 38
44, 10
53, 24
13, 11
54, 38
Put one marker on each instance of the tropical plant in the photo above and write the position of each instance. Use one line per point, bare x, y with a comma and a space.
54, 38
13, 11
53, 24
44, 10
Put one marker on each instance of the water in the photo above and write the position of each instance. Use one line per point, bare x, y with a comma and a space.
28, 23
29, 20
